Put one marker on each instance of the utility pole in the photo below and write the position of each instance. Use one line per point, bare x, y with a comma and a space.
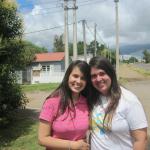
84, 40
66, 33
117, 38
95, 50
75, 53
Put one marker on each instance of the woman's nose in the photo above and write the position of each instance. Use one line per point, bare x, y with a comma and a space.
98, 78
78, 80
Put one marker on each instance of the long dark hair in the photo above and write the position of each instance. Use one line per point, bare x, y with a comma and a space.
114, 91
64, 91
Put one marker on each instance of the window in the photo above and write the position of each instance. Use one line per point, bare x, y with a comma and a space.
43, 68
46, 68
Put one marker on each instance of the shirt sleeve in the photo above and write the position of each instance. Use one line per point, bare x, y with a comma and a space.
49, 110
136, 115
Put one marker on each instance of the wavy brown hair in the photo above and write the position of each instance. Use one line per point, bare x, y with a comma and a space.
114, 91
64, 91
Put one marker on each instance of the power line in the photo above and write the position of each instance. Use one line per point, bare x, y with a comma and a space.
44, 29
97, 34
47, 12
49, 28
100, 38
84, 3
89, 29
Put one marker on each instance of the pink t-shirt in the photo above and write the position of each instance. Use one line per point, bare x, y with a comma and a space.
66, 126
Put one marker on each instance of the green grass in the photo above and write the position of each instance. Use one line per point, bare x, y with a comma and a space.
21, 133
142, 71
122, 81
39, 87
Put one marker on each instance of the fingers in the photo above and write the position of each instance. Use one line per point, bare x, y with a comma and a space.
84, 146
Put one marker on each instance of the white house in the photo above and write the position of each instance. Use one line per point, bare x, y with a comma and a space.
46, 68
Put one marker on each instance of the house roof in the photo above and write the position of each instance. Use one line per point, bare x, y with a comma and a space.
51, 56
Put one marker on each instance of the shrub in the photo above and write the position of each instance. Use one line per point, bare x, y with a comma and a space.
11, 96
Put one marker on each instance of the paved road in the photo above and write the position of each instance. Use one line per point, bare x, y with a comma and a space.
142, 90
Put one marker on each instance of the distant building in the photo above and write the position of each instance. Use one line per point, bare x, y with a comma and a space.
81, 57
127, 57
46, 68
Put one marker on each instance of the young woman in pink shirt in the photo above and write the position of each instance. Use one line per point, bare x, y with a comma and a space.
64, 118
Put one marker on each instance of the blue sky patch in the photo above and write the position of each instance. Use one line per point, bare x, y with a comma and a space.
25, 5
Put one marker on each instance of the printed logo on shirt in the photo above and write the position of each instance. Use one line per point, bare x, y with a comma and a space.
97, 123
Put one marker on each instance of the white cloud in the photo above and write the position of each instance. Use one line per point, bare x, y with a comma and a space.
134, 21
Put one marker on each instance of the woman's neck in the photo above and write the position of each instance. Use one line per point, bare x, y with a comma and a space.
75, 97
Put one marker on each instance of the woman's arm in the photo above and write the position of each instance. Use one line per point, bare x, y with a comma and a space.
140, 139
45, 139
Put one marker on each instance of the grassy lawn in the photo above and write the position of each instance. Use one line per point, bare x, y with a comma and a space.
21, 134
39, 87
142, 71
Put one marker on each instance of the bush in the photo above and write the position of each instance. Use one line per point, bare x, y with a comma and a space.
11, 96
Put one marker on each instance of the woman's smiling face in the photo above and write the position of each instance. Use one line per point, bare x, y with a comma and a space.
76, 81
100, 80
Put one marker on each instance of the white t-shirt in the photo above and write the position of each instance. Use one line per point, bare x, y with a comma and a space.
129, 115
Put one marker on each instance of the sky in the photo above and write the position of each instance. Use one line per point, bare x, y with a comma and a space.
43, 19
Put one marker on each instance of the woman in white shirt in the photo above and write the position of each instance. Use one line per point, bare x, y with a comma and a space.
118, 119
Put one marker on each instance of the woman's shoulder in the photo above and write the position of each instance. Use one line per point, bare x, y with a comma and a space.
128, 96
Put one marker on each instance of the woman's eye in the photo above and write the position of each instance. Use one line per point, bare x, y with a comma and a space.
93, 76
75, 76
101, 74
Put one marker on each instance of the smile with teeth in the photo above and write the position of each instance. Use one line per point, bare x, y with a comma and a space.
101, 82
76, 86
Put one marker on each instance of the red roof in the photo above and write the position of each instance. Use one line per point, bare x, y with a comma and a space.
52, 56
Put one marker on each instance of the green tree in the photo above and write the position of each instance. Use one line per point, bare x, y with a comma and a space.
11, 31
10, 22
133, 59
28, 52
100, 49
70, 49
113, 57
146, 56
80, 47
58, 43
91, 47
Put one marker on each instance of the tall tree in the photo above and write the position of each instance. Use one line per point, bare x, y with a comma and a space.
28, 52
58, 43
80, 46
11, 31
101, 49
91, 47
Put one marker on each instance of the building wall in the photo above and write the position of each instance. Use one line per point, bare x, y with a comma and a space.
50, 72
